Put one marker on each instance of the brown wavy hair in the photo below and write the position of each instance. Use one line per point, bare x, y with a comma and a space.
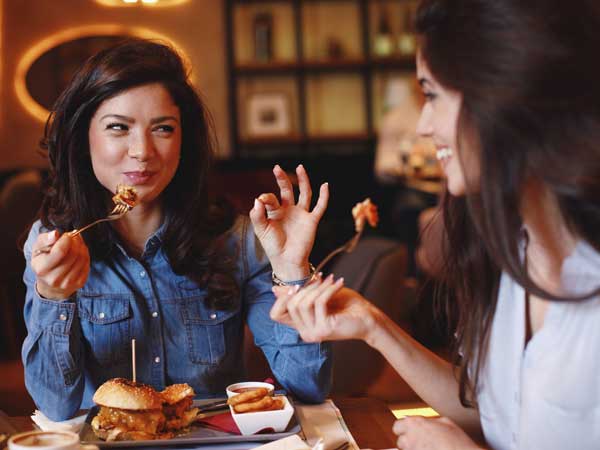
530, 111
195, 235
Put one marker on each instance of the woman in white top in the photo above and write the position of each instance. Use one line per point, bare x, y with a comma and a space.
513, 105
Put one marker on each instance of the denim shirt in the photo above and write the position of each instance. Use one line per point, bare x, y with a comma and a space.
75, 345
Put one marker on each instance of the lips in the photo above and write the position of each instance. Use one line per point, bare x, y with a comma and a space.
137, 178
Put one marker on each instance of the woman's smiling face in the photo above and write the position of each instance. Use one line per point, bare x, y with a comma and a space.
439, 120
135, 139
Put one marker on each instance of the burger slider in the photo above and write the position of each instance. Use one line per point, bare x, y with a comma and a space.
128, 411
177, 401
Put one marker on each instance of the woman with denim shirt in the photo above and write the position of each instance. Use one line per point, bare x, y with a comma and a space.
179, 272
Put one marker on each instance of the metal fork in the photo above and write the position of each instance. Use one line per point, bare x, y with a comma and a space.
118, 211
348, 247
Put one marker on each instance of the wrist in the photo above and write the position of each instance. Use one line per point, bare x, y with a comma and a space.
48, 293
292, 273
376, 329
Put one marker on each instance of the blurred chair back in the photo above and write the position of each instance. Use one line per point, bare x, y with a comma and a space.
20, 200
376, 269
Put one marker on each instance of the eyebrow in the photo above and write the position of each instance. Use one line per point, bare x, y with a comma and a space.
423, 82
131, 120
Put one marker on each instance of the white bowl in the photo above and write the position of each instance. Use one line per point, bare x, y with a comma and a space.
253, 422
248, 385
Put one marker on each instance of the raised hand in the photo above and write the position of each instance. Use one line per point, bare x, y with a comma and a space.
64, 269
420, 433
287, 229
325, 311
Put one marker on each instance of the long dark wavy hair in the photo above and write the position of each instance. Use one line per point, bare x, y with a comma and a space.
530, 111
195, 234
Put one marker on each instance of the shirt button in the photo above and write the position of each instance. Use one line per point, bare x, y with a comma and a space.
213, 316
143, 273
157, 360
154, 314
101, 315
62, 317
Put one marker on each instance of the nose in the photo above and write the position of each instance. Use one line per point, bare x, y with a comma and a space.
141, 147
424, 125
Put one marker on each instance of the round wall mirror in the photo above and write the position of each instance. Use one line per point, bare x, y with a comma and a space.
51, 72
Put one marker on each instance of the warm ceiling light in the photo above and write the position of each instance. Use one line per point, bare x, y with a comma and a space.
37, 50
149, 3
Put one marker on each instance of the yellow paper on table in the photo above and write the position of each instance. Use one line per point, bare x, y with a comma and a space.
288, 443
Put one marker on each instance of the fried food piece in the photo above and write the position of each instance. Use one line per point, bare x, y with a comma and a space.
248, 396
278, 403
126, 195
260, 405
365, 211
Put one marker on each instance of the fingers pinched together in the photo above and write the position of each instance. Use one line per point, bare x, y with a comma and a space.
308, 309
286, 228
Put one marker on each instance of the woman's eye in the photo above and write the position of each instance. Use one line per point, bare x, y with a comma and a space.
164, 129
117, 127
429, 96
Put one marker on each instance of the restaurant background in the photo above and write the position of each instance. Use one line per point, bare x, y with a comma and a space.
284, 85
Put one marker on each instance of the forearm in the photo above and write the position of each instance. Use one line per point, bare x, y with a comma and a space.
430, 376
52, 354
304, 370
55, 386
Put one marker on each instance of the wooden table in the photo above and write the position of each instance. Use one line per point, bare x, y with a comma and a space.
369, 420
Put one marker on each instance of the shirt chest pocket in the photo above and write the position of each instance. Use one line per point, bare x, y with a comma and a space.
206, 330
105, 325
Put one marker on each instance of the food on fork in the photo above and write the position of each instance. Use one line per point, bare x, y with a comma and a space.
255, 400
135, 411
365, 210
126, 195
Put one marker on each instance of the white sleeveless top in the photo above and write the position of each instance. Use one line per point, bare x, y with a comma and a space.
547, 396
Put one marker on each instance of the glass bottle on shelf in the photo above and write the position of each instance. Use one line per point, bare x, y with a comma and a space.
407, 41
383, 42
263, 37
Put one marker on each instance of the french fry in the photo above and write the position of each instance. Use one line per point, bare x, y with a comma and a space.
278, 403
260, 405
248, 396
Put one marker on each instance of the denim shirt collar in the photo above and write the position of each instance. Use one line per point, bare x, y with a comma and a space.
153, 243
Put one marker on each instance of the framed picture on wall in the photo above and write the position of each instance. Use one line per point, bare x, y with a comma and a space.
268, 114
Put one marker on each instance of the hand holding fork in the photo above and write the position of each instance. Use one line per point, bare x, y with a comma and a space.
122, 206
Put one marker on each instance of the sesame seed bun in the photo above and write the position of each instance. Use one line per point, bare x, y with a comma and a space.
126, 394
176, 392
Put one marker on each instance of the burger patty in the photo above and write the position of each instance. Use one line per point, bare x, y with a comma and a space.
177, 409
150, 421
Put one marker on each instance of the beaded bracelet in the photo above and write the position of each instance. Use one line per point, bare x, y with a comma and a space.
279, 282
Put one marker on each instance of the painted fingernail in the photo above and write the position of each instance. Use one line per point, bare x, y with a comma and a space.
300, 166
291, 291
296, 288
256, 203
320, 275
340, 280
